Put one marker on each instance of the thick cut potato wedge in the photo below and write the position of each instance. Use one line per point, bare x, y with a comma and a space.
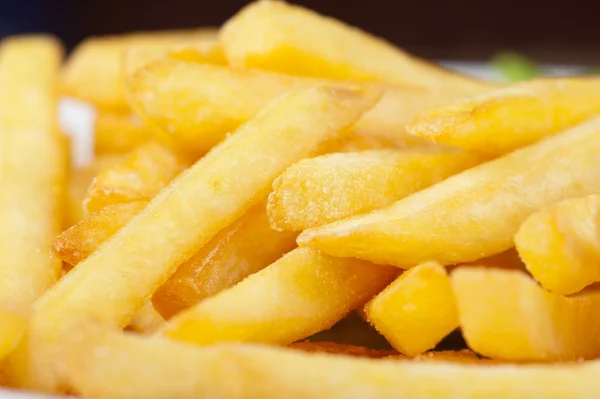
118, 132
301, 294
505, 315
560, 244
111, 365
118, 278
474, 213
195, 105
243, 248
94, 71
282, 37
416, 311
33, 166
512, 117
12, 328
146, 320
80, 241
324, 189
139, 177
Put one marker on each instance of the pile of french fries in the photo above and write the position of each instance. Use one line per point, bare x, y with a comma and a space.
254, 185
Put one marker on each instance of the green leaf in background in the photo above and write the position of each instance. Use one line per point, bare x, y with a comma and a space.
514, 67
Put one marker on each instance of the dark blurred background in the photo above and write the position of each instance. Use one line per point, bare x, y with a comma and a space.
560, 32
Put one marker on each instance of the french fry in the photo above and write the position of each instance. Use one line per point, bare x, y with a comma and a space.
462, 356
560, 244
302, 293
94, 72
299, 295
118, 132
475, 213
80, 241
512, 117
243, 248
416, 311
139, 177
505, 315
79, 181
286, 38
354, 142
33, 163
12, 328
146, 320
322, 190
112, 365
195, 105
504, 260
118, 278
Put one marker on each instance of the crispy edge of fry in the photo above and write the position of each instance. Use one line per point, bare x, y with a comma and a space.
417, 310
239, 250
560, 244
474, 213
302, 293
192, 210
106, 364
505, 314
511, 117
80, 241
321, 190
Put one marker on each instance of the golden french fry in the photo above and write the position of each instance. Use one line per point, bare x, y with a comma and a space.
94, 72
146, 320
504, 260
342, 349
324, 189
474, 213
243, 248
139, 177
560, 244
301, 294
282, 37
512, 117
12, 328
80, 241
118, 132
33, 165
354, 142
416, 311
117, 279
505, 315
79, 181
195, 105
113, 365
462, 356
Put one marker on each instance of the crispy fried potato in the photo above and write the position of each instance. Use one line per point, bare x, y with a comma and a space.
112, 365
118, 132
12, 328
474, 213
282, 37
118, 278
416, 311
504, 260
505, 315
512, 117
195, 105
139, 177
79, 181
146, 320
94, 71
355, 142
302, 293
243, 248
80, 241
322, 190
33, 162
461, 356
560, 244
343, 349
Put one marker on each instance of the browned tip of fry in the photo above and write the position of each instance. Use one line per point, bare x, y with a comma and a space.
344, 349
